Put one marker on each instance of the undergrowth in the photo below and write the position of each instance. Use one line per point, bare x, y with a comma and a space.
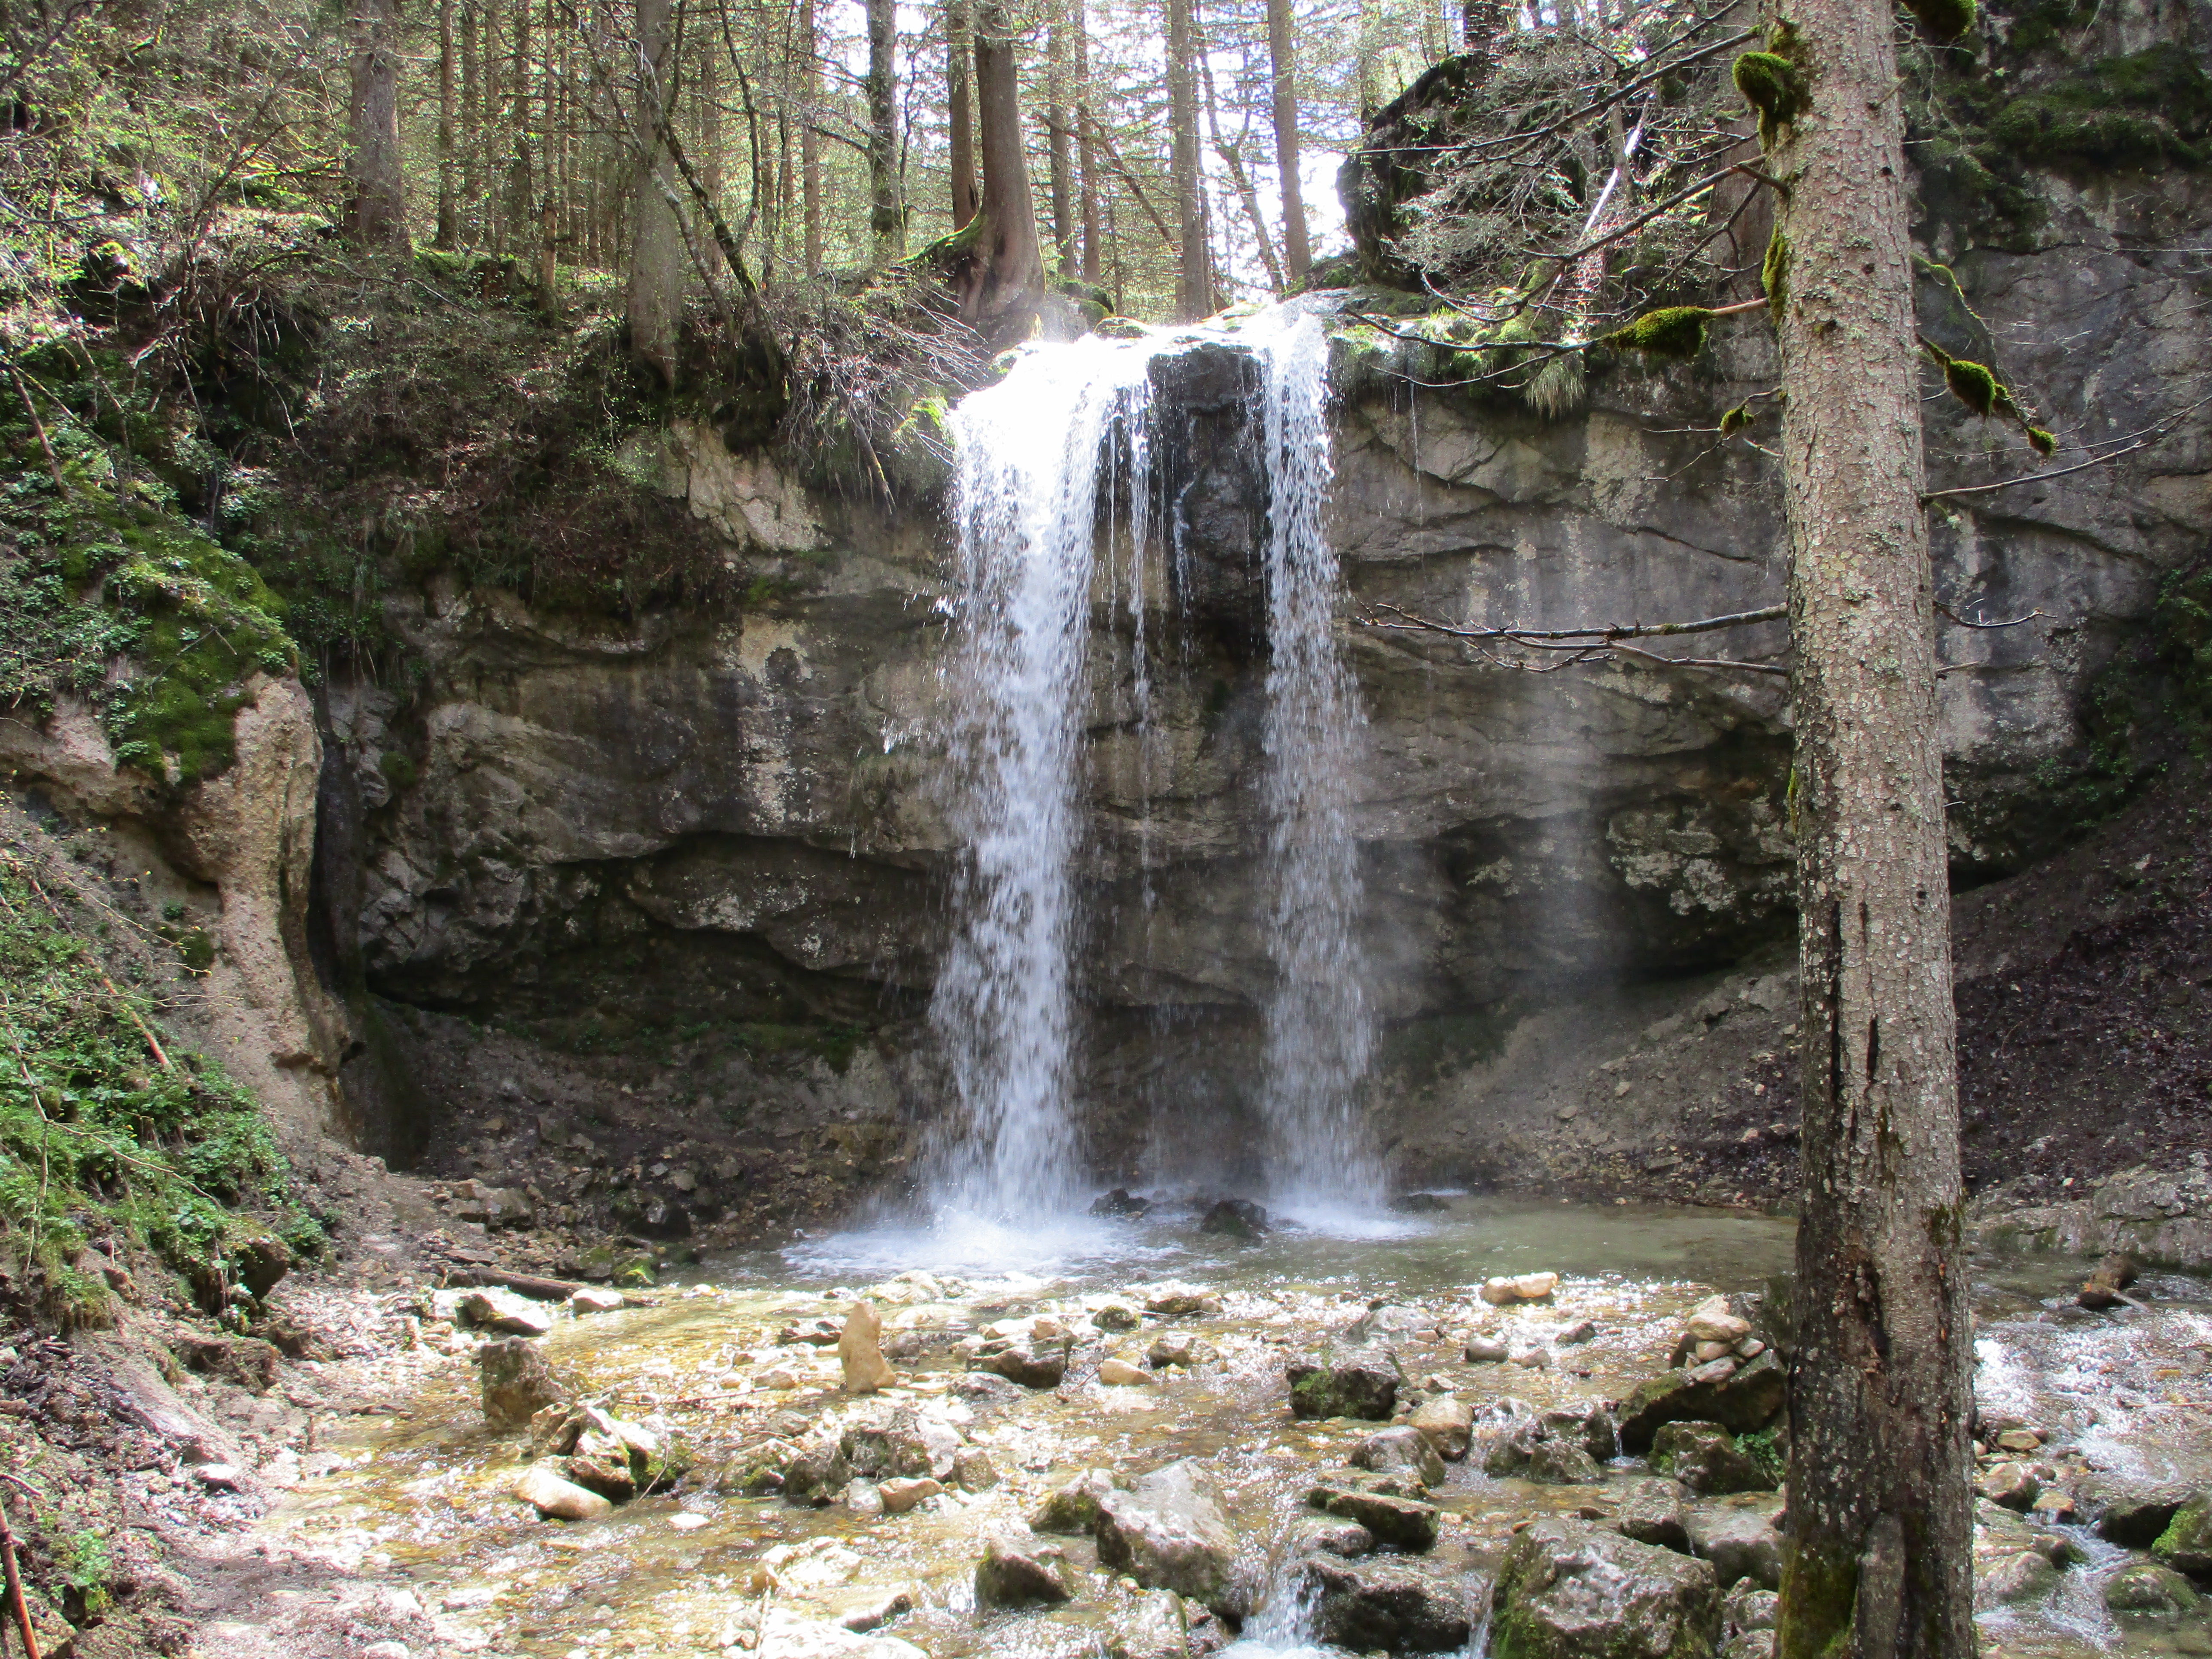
111, 1136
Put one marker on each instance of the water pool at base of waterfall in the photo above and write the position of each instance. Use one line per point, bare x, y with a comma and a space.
422, 1503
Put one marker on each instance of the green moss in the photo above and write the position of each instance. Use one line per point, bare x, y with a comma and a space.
1770, 83
2042, 442
1764, 1450
1737, 420
1774, 273
835, 1045
1973, 384
2139, 110
1673, 332
397, 766
1943, 20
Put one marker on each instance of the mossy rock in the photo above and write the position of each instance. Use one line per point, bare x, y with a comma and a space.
2186, 1544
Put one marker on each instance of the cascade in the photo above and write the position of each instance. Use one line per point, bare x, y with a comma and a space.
1059, 448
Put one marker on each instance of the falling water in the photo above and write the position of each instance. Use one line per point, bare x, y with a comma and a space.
1035, 451
1026, 508
1318, 1033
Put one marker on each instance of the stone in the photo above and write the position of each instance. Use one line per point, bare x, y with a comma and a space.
2011, 1485
1350, 1386
2131, 1513
973, 1470
1116, 1316
1121, 1374
1589, 1426
1235, 1218
1401, 1522
1561, 1464
1389, 1606
2055, 1506
817, 1474
557, 1499
902, 1493
1711, 1321
1178, 1301
2010, 1580
785, 1634
1705, 1458
1749, 1645
1741, 1400
1535, 1359
1654, 1512
1448, 1423
2186, 1543
2020, 1442
1168, 1532
1120, 1203
1402, 1447
860, 1351
1486, 1350
755, 1470
1330, 1536
592, 1300
218, 1477
1180, 1348
1073, 1508
1158, 1627
1568, 1589
875, 1609
495, 1310
1504, 1292
864, 1499
1575, 1334
2146, 1587
516, 1382
1032, 1367
1746, 1607
1739, 1537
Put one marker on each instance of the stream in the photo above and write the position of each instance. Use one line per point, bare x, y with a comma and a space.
423, 1501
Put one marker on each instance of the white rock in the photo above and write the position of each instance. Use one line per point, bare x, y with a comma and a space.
495, 1310
592, 1300
557, 1499
900, 1495
687, 1521
1120, 1373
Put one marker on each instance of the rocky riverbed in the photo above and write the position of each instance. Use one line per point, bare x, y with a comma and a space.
1136, 1443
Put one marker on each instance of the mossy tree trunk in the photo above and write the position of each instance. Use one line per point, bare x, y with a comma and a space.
961, 120
655, 308
1878, 1558
1003, 268
886, 210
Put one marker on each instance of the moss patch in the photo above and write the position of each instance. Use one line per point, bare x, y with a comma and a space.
1770, 84
1676, 333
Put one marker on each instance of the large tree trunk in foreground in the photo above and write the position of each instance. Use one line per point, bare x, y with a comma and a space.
656, 252
379, 214
1283, 55
1194, 273
886, 212
1002, 271
1879, 1562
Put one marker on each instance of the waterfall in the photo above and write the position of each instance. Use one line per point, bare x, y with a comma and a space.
1034, 451
1319, 1034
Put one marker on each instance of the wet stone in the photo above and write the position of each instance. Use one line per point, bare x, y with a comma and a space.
1486, 1350
1739, 1537
2011, 1580
517, 1383
1393, 1605
1740, 1398
1121, 1374
860, 1351
1352, 1386
1235, 1218
1570, 1590
1327, 1536
505, 1311
1158, 1628
2010, 1485
1073, 1508
973, 1470
1180, 1348
2186, 1543
1655, 1511
2131, 1514
1168, 1532
1030, 1367
1447, 1424
1404, 1447
2147, 1588
1705, 1458
1747, 1608
1401, 1522
557, 1499
1561, 1464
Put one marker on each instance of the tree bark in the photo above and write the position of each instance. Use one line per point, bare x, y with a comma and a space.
1878, 1564
1283, 56
1087, 160
448, 233
521, 201
962, 120
886, 213
472, 121
379, 215
1232, 159
1194, 276
657, 251
1057, 151
809, 153
1003, 272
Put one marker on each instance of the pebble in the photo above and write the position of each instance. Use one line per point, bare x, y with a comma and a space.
217, 1477
687, 1521
1486, 1350
1536, 1359
1120, 1373
900, 1495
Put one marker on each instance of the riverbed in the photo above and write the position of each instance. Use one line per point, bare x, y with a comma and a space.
724, 1361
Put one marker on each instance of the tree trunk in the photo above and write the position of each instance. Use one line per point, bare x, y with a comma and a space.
809, 153
521, 201
1057, 151
1194, 276
1878, 1563
961, 118
1232, 159
448, 233
472, 121
1087, 160
1283, 56
1004, 271
379, 215
656, 267
886, 213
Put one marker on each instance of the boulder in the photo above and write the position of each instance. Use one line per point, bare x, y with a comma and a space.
2013, 1579
1748, 1607
517, 1383
973, 1470
1120, 1203
1235, 1218
1589, 1427
1073, 1508
1570, 1590
1168, 1532
1654, 1512
2186, 1543
1040, 1367
1157, 1627
557, 1499
1010, 1576
2010, 1485
1447, 1422
1742, 1398
1121, 1374
902, 1493
1390, 1606
1739, 1537
1705, 1458
1177, 1301
2130, 1513
1355, 1386
495, 1310
2147, 1588
1504, 1292
860, 1351
817, 1474
1404, 1524
1402, 1447
1180, 1348
1329, 1536
1561, 1464
1486, 1350
1116, 1316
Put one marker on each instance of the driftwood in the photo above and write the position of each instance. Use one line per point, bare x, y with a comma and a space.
537, 1290
16, 1602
